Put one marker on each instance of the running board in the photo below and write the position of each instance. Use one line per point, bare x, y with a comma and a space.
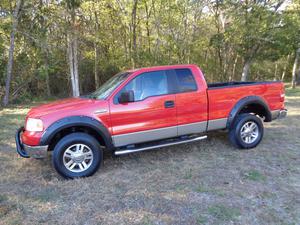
126, 151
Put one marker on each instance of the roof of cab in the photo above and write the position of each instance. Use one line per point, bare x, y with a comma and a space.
165, 67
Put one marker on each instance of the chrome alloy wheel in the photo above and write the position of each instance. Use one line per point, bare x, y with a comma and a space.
249, 132
78, 158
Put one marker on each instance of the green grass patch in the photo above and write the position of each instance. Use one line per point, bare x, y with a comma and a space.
202, 189
147, 221
224, 213
46, 195
292, 92
254, 175
188, 174
201, 220
3, 198
179, 188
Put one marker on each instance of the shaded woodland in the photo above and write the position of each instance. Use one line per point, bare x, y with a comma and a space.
62, 48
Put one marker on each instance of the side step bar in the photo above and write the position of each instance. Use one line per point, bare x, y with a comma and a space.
177, 142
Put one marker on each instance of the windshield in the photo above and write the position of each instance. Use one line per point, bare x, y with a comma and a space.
109, 86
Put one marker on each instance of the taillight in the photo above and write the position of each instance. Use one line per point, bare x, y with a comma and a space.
282, 96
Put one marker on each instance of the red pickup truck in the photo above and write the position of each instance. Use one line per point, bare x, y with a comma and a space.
144, 109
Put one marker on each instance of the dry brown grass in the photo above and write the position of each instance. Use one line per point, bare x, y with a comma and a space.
208, 182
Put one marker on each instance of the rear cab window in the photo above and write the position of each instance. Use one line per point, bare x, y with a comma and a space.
186, 81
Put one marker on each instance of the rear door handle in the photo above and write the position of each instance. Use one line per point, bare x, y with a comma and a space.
169, 104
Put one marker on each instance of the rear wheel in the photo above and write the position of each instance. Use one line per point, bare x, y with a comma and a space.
247, 131
77, 155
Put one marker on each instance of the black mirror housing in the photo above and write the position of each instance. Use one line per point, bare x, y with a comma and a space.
127, 96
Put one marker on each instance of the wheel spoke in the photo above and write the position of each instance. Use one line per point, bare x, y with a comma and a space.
243, 134
69, 163
253, 135
80, 166
78, 148
72, 166
88, 155
248, 139
69, 152
81, 148
252, 126
84, 164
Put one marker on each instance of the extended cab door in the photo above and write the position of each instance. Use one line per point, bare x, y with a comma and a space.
151, 116
191, 101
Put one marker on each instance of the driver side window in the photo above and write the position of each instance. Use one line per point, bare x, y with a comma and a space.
148, 84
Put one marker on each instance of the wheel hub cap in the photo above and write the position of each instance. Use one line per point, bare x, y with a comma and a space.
78, 158
249, 132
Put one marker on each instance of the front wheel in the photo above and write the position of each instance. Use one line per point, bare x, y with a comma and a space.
77, 155
247, 131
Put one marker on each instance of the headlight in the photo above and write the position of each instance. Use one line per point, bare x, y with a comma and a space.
34, 125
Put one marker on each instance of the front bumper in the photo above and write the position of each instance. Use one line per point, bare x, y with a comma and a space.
279, 114
27, 151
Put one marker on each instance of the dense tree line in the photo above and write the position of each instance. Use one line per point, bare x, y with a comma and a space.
69, 47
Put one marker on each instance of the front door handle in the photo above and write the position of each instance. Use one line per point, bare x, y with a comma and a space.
169, 104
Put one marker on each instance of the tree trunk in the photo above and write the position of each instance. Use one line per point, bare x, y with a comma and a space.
96, 74
285, 67
73, 57
15, 20
70, 58
275, 72
96, 49
246, 69
148, 27
231, 78
294, 74
73, 63
44, 47
75, 46
46, 61
133, 24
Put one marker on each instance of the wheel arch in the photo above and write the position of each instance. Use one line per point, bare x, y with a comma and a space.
72, 124
250, 104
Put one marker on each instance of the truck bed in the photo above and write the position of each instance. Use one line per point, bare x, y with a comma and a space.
237, 83
223, 96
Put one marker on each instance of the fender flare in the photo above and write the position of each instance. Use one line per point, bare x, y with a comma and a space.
246, 101
73, 121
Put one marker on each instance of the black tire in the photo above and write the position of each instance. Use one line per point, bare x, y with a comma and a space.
73, 139
235, 136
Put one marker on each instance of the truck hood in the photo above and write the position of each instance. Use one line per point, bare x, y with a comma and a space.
71, 105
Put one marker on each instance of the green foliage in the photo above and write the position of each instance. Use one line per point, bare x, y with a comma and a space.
217, 35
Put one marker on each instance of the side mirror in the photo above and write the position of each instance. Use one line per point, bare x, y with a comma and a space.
127, 96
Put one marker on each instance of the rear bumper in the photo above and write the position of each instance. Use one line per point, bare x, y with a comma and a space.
279, 114
27, 151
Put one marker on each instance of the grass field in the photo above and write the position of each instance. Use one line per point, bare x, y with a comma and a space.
208, 182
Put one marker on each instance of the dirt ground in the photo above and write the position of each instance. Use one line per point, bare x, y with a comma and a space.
208, 182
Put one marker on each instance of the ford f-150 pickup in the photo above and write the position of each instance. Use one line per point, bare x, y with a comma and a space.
144, 109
